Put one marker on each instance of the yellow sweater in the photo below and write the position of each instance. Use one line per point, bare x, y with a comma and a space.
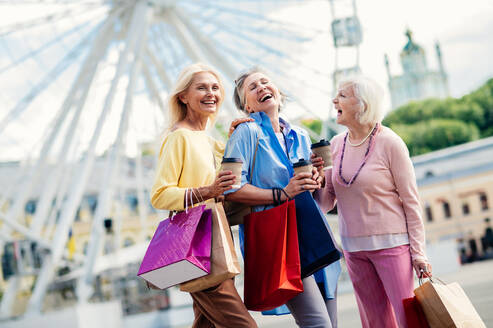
185, 161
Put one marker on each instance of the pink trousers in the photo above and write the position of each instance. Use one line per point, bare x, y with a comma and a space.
381, 280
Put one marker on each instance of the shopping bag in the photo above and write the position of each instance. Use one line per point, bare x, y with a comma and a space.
415, 316
317, 248
180, 249
272, 260
236, 212
224, 261
446, 305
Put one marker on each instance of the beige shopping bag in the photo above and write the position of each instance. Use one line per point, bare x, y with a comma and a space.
225, 264
446, 305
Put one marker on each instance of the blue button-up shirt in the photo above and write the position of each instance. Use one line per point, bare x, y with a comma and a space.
273, 168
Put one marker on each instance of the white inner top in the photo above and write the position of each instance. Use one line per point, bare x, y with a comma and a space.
371, 243
280, 137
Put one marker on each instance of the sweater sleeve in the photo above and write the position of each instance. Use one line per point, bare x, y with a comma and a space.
218, 150
326, 197
165, 193
402, 171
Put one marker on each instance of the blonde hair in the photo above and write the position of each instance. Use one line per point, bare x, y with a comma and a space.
176, 108
370, 95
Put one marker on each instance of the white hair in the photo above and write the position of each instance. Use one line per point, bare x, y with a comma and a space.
370, 95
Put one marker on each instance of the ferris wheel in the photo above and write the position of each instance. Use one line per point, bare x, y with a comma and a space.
87, 79
347, 36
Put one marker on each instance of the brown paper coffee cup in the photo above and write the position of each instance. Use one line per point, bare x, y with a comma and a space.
235, 165
322, 149
302, 166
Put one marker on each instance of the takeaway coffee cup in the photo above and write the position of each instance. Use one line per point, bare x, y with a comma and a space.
303, 165
322, 149
234, 165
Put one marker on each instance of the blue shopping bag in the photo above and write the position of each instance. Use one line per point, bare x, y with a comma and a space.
317, 249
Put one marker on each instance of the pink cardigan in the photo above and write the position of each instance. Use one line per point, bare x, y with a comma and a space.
384, 197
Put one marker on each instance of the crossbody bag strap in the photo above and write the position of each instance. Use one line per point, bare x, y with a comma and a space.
254, 159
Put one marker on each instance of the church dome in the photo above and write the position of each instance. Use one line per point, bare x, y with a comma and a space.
411, 47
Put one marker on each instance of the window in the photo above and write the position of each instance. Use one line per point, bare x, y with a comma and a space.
484, 201
465, 209
429, 214
446, 210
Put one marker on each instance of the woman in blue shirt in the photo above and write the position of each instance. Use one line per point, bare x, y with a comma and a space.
279, 145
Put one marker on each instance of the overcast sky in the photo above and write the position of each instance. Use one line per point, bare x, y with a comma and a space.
463, 29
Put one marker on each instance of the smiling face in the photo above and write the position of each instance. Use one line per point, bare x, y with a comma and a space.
260, 94
347, 105
203, 96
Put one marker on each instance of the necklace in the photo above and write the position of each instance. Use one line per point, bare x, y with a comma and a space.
362, 141
340, 179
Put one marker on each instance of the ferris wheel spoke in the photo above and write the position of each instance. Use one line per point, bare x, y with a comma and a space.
45, 46
107, 188
288, 26
48, 2
192, 34
150, 85
158, 66
165, 40
40, 21
46, 81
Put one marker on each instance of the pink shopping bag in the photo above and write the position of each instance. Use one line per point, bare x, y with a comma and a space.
180, 249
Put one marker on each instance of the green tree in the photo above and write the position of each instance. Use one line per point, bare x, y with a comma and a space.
483, 98
430, 135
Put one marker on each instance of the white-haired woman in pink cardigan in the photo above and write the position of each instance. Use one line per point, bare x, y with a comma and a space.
380, 222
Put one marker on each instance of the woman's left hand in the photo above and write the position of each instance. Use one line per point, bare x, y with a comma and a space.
318, 163
317, 177
237, 122
423, 269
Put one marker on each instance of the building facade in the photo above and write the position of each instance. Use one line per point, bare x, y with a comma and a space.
456, 190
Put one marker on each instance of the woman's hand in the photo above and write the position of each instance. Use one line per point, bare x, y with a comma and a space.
223, 182
317, 177
318, 164
237, 122
422, 268
301, 182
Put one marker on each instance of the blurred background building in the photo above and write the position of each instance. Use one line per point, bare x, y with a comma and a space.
417, 81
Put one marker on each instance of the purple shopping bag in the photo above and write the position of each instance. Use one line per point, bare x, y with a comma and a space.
180, 249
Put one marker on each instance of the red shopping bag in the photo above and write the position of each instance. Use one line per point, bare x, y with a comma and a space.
272, 258
415, 317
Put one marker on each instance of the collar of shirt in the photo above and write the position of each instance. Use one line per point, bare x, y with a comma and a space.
263, 120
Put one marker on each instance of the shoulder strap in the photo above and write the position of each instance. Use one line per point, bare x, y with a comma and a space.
254, 158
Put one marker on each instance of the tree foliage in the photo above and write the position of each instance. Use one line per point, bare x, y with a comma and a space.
433, 124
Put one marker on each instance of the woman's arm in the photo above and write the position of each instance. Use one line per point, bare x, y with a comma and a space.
251, 195
166, 194
325, 196
402, 171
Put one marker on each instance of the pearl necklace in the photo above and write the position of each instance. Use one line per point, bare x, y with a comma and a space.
362, 141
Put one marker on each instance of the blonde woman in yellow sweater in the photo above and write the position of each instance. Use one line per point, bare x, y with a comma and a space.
188, 159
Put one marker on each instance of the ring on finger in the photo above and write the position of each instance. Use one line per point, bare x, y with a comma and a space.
302, 187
